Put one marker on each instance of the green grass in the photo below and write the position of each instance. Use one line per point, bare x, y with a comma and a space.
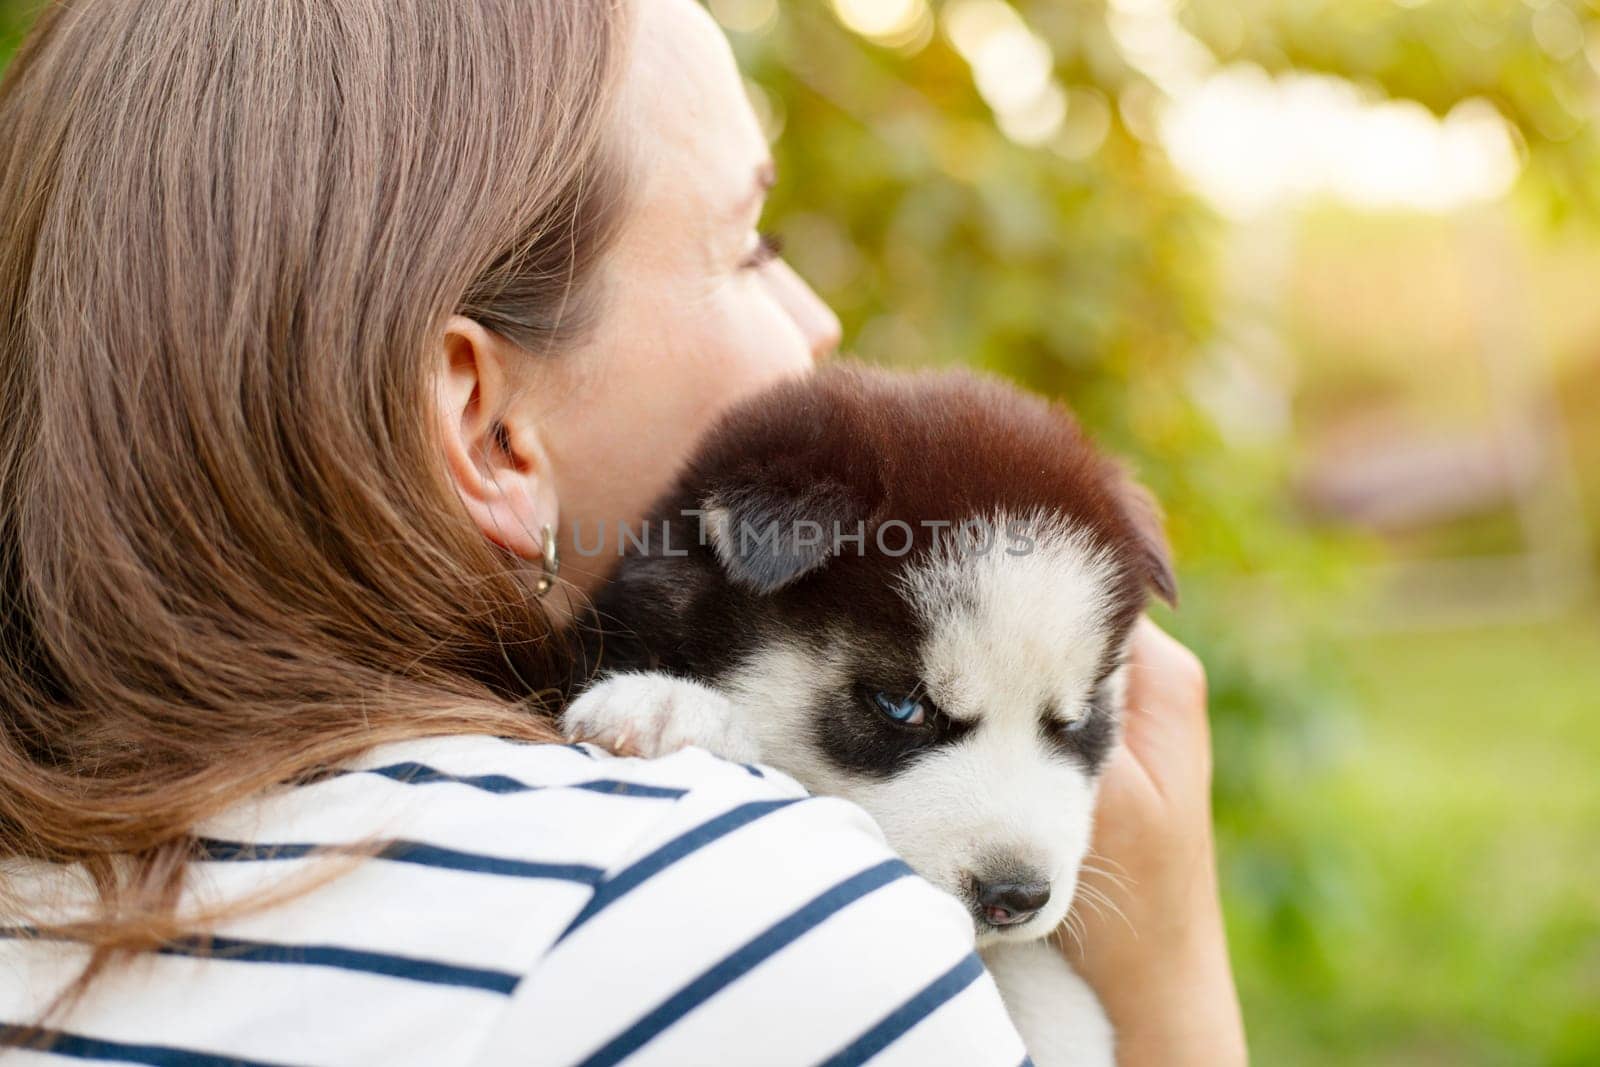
1458, 913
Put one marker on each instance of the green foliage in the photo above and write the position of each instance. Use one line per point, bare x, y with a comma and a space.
938, 240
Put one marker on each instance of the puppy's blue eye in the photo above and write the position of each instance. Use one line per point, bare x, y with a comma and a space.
904, 710
1073, 726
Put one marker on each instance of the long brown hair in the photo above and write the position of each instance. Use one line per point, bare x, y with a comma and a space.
228, 551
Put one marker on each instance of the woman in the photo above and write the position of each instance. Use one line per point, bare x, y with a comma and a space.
317, 318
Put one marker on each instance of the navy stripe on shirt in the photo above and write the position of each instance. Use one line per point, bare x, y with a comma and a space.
744, 959
79, 1047
630, 877
212, 850
411, 773
410, 968
897, 1023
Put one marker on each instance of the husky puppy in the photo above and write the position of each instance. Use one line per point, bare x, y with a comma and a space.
914, 592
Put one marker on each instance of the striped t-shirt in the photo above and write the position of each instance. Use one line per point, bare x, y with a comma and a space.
538, 904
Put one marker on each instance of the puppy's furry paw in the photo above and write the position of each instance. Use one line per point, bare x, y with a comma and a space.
1060, 1020
649, 714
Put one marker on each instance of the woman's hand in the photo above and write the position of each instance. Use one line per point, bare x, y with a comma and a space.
1152, 942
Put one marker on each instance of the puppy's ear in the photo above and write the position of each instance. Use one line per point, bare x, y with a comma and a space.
769, 537
1149, 528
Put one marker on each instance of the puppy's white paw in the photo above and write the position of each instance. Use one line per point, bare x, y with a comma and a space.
1058, 1016
650, 714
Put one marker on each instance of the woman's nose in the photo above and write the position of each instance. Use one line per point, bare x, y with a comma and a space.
816, 319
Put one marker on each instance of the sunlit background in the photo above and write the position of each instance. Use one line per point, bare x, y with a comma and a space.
1329, 271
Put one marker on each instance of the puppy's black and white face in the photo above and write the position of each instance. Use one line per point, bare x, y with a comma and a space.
964, 690
972, 727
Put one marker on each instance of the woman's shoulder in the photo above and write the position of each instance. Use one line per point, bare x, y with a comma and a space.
490, 806
512, 903
751, 918
501, 848
654, 909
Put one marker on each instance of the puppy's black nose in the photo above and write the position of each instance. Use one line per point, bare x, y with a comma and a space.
1010, 903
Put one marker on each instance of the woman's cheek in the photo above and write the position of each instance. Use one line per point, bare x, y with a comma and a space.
762, 344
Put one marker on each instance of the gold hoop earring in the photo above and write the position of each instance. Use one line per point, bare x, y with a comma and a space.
549, 561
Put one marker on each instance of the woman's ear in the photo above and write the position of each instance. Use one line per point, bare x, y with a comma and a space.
492, 450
